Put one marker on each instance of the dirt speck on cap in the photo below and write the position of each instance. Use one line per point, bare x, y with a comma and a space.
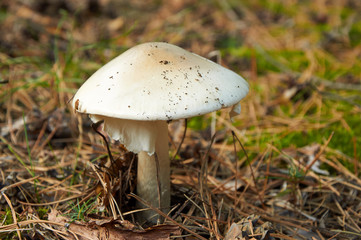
165, 62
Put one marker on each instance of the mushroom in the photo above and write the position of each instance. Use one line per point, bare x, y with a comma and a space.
139, 92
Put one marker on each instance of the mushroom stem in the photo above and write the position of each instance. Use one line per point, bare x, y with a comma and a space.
147, 181
150, 140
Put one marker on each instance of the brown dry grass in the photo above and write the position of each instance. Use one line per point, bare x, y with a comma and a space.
299, 125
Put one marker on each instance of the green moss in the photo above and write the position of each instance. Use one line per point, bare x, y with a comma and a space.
276, 8
341, 141
196, 123
293, 59
355, 34
200, 122
42, 212
3, 14
7, 219
7, 216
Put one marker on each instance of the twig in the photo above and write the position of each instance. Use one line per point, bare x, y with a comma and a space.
195, 204
166, 216
333, 96
203, 176
108, 193
236, 174
197, 223
319, 153
267, 170
40, 136
251, 168
18, 183
348, 232
281, 236
214, 219
95, 128
51, 203
49, 137
355, 155
182, 140
55, 185
13, 214
182, 207
27, 222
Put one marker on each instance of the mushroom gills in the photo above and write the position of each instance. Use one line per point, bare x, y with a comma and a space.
135, 135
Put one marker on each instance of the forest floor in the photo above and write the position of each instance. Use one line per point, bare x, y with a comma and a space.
288, 167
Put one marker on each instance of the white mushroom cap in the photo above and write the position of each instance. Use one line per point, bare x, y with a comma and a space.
159, 81
150, 83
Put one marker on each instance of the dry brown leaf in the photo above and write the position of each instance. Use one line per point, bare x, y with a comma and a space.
112, 229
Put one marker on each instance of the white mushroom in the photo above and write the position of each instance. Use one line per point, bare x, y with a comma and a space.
139, 91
